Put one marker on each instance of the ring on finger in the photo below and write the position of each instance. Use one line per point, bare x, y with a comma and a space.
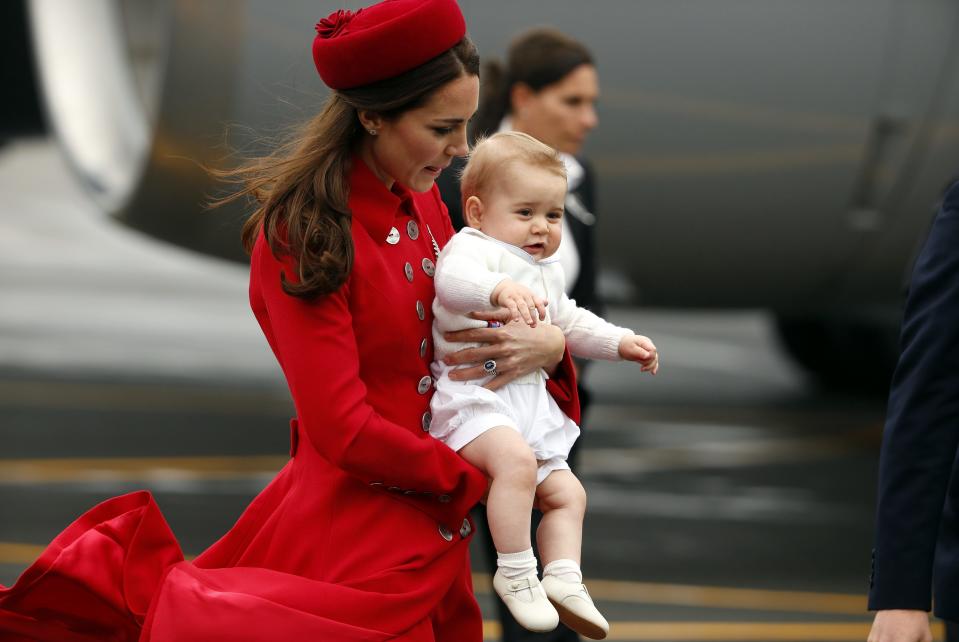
489, 367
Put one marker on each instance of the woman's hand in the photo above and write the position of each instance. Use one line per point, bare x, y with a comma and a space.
516, 348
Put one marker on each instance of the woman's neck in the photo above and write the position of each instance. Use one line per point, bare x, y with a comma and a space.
366, 153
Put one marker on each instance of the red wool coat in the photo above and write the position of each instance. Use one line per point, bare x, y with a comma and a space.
361, 537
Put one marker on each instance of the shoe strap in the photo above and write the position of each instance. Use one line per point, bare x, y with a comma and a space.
528, 582
582, 590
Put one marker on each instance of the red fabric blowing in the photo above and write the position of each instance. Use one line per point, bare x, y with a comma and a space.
96, 580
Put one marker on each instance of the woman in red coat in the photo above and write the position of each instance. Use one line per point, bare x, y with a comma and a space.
363, 535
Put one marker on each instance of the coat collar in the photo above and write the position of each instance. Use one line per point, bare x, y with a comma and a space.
372, 204
512, 249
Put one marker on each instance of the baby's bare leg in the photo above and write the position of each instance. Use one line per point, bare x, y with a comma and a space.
507, 460
510, 464
560, 536
562, 499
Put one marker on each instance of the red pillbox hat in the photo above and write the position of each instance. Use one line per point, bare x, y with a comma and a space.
384, 40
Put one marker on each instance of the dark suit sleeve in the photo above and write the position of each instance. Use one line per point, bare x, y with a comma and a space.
585, 289
922, 424
587, 189
449, 184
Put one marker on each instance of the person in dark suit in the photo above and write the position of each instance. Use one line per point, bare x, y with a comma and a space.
548, 89
917, 521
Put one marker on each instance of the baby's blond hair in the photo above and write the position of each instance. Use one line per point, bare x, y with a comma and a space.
491, 156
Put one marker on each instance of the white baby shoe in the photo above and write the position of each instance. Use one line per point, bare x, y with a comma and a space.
575, 607
527, 601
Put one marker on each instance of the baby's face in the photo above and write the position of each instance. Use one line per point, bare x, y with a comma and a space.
524, 208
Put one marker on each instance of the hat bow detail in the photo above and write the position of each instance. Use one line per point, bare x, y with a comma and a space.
334, 24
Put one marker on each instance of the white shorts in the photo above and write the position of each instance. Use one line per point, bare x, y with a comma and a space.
462, 411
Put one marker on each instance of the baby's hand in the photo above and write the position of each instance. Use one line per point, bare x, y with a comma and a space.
520, 301
635, 347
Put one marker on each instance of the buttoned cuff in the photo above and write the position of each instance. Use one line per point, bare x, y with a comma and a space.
899, 583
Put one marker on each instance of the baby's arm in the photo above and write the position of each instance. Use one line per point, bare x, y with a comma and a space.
463, 282
592, 337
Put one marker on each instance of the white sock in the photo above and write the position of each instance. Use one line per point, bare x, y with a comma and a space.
516, 565
566, 570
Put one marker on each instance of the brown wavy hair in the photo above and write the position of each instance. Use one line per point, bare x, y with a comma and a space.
301, 189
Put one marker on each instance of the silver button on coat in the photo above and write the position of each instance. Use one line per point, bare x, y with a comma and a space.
423, 346
420, 310
409, 272
394, 236
444, 499
465, 529
426, 421
446, 533
424, 385
429, 267
413, 230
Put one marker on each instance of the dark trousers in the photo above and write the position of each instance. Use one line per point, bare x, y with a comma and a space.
952, 631
513, 632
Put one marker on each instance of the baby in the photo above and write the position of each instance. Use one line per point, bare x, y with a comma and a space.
514, 188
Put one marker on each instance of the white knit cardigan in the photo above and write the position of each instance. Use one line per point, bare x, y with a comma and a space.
471, 266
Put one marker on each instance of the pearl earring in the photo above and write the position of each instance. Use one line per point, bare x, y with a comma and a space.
372, 132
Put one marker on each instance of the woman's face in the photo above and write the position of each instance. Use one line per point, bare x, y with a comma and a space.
561, 114
416, 146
